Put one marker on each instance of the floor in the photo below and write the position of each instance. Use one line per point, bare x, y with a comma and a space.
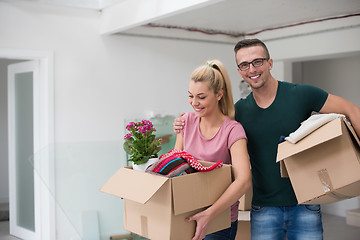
4, 223
335, 228
4, 231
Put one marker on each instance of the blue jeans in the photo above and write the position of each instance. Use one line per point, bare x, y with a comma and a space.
300, 222
225, 234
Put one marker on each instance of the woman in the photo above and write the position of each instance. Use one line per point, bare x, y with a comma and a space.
211, 134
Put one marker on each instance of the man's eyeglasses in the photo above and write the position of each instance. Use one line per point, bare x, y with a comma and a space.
256, 63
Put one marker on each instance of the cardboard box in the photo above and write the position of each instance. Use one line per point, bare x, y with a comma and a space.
245, 200
156, 207
324, 166
244, 227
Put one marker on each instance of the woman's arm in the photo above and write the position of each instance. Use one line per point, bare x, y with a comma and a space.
242, 175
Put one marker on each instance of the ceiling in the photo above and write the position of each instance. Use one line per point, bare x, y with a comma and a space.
224, 20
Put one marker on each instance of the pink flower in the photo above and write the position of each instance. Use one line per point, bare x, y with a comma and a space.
140, 143
127, 136
130, 126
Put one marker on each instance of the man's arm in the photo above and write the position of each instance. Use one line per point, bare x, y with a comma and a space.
178, 124
179, 144
336, 104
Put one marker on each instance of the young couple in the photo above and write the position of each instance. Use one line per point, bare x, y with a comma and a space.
216, 131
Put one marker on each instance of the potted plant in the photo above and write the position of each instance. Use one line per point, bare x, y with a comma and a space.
141, 144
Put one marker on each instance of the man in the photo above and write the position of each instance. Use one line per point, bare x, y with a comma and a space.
272, 110
275, 109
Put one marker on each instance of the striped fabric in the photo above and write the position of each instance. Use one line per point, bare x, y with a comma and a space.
176, 163
191, 160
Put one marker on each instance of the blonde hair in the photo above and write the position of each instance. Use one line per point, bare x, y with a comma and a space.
215, 73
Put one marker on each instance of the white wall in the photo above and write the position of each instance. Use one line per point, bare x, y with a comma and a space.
339, 76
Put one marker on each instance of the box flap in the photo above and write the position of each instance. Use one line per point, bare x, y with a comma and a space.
351, 129
201, 189
323, 134
133, 185
283, 171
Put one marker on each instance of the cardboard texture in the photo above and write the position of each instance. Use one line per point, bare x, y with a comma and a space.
244, 231
156, 207
323, 167
245, 200
244, 227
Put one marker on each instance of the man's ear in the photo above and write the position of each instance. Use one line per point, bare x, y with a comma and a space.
271, 63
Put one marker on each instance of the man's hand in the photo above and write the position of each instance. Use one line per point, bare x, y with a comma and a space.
178, 124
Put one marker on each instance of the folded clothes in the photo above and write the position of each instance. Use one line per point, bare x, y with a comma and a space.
177, 162
311, 124
171, 167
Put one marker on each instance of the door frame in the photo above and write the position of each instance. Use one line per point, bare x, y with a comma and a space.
46, 139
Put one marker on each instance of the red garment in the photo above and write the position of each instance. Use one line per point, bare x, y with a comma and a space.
191, 160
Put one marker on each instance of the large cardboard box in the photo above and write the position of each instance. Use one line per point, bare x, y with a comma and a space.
324, 166
245, 200
156, 207
244, 227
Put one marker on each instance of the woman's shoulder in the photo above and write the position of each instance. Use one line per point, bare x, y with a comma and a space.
234, 130
232, 124
190, 117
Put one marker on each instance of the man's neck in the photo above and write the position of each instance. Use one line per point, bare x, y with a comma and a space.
265, 95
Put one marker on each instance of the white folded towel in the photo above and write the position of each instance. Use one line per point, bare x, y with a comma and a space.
310, 125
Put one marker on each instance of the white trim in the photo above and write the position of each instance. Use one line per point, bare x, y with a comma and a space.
46, 140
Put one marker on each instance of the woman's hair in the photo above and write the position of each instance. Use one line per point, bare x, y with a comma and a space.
215, 73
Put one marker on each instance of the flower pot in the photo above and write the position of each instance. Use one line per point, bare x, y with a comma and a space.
144, 166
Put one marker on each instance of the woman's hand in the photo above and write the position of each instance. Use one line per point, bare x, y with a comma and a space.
241, 183
202, 221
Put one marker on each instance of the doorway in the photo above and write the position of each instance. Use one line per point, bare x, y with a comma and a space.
42, 214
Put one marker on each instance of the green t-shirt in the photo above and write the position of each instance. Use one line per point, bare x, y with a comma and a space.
292, 105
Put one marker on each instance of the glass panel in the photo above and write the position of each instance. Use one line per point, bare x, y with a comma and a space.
24, 146
81, 168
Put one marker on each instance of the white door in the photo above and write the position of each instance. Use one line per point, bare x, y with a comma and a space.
24, 183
